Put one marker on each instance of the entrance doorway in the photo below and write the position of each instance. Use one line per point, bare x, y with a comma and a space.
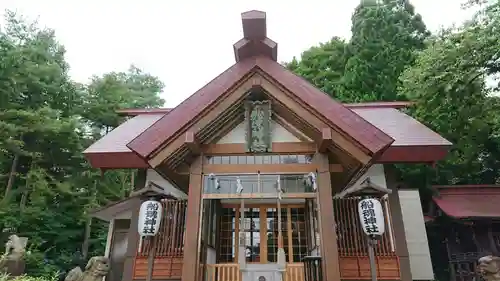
260, 226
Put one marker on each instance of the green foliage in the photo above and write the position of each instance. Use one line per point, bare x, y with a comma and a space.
385, 36
450, 76
46, 121
131, 89
5, 277
323, 65
391, 56
448, 84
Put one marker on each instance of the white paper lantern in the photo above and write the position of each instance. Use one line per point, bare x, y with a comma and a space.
150, 216
371, 216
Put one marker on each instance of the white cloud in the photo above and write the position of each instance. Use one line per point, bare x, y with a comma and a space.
187, 43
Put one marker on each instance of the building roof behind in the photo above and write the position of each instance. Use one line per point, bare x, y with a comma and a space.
469, 201
404, 129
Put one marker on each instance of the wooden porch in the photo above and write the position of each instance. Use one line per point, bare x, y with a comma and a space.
353, 256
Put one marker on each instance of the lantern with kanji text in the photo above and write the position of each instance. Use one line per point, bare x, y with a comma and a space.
149, 218
371, 216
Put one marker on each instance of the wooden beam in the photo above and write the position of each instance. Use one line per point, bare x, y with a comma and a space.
299, 148
302, 195
133, 234
308, 122
191, 252
192, 143
326, 219
398, 224
287, 126
180, 181
282, 96
263, 233
326, 140
231, 98
226, 129
267, 168
216, 128
250, 168
266, 205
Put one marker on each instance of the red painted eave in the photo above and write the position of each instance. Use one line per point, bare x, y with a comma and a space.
472, 201
414, 154
116, 160
111, 152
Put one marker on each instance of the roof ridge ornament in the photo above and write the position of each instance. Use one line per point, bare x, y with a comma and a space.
255, 41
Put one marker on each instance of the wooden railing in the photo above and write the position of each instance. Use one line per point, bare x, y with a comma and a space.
169, 250
294, 272
223, 272
351, 239
352, 243
352, 246
313, 268
463, 266
170, 237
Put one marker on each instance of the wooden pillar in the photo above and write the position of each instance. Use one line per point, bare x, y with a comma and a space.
328, 244
398, 224
190, 266
133, 234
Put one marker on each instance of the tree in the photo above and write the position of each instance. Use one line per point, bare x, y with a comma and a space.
45, 119
118, 90
323, 65
384, 38
448, 85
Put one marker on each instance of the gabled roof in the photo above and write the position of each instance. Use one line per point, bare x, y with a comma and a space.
375, 129
110, 211
413, 141
255, 52
407, 133
115, 143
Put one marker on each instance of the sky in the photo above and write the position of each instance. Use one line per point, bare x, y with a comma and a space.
187, 43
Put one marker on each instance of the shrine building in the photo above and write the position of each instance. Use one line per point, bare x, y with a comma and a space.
260, 161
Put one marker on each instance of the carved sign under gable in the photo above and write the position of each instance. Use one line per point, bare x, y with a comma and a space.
258, 126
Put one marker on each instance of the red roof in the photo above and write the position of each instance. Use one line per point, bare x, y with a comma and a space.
111, 151
402, 128
371, 126
367, 135
413, 141
256, 53
469, 201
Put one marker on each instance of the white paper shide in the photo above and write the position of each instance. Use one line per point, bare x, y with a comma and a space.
149, 218
371, 216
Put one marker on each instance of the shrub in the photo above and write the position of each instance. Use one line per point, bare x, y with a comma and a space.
5, 277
